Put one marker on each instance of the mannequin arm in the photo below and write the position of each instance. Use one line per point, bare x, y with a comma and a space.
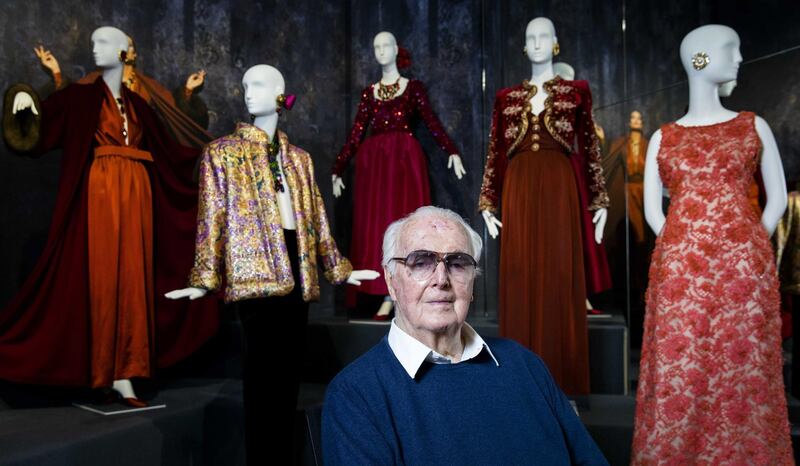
357, 132
599, 220
653, 210
492, 223
454, 162
338, 185
772, 174
192, 293
356, 276
432, 121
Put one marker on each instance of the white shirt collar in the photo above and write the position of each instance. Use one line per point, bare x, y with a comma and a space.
412, 353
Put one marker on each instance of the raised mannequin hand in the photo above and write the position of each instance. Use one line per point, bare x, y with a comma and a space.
338, 186
23, 101
454, 162
195, 80
48, 60
599, 220
192, 293
357, 275
491, 223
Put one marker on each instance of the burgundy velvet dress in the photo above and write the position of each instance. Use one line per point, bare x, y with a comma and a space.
391, 178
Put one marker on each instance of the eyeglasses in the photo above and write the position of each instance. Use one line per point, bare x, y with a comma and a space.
421, 263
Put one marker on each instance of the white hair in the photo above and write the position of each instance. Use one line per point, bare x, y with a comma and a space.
391, 239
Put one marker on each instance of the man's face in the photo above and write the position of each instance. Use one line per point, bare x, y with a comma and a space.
440, 303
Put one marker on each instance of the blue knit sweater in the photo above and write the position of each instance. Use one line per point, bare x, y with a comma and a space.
473, 412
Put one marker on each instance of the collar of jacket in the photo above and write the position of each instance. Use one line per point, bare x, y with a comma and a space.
255, 134
559, 112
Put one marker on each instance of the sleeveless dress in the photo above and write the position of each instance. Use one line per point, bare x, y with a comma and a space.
711, 387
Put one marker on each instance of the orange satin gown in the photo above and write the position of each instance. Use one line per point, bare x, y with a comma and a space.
120, 249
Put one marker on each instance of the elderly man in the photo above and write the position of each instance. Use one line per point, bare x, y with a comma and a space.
433, 391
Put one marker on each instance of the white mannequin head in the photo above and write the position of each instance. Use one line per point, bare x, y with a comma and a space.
540, 37
262, 85
565, 70
717, 44
386, 49
107, 43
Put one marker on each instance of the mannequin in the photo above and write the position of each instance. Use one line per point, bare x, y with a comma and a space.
713, 287
182, 111
93, 289
391, 170
267, 217
544, 162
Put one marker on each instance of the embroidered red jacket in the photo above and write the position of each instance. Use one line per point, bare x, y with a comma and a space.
567, 117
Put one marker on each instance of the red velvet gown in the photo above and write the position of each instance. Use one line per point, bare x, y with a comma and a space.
391, 177
46, 330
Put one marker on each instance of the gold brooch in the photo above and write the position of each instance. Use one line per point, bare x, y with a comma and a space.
700, 60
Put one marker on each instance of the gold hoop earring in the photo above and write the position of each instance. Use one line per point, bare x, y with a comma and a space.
122, 55
556, 49
700, 60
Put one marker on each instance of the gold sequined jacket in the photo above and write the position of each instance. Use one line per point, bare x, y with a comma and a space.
239, 225
567, 117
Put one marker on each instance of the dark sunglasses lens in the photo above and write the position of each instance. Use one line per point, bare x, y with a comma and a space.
421, 260
459, 262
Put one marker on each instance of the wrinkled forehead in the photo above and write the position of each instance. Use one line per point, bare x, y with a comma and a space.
539, 27
435, 234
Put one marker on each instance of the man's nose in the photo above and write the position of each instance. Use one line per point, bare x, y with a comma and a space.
440, 274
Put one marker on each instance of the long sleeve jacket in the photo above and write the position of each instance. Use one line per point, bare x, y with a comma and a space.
239, 230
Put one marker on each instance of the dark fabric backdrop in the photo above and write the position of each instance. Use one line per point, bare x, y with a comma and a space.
463, 50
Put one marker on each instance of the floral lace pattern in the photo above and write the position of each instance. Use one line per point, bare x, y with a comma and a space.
711, 386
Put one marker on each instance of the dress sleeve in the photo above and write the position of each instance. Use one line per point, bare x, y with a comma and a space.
589, 146
435, 126
496, 160
356, 134
211, 214
192, 105
335, 266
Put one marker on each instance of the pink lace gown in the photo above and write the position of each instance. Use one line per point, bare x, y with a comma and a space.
710, 385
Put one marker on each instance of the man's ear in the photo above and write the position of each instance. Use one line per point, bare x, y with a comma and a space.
387, 275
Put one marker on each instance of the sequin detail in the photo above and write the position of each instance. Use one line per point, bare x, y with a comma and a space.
395, 115
239, 224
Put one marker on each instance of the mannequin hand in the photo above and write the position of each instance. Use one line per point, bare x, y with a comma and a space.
454, 162
357, 275
191, 293
47, 59
491, 223
195, 80
338, 186
599, 220
23, 101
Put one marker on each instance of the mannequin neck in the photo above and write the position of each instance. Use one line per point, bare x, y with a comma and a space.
268, 124
704, 100
390, 74
113, 79
541, 73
